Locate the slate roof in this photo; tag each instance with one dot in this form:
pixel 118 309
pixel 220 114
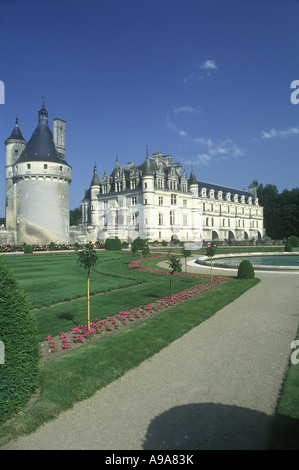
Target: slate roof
pixel 16 133
pixel 41 147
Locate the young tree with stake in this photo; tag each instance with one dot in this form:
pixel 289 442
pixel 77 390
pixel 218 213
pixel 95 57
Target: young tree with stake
pixel 87 259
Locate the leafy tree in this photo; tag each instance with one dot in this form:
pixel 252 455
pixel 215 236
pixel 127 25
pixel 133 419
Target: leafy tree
pixel 87 258
pixel 211 250
pixel 186 254
pixel 142 245
pixel 175 266
pixel 281 211
pixel 76 216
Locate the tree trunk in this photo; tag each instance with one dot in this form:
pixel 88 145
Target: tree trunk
pixel 88 308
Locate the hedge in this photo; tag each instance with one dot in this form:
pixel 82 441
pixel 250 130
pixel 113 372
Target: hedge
pixel 19 340
pixel 113 244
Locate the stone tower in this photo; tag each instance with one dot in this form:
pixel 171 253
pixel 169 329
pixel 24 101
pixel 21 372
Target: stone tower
pixel 37 182
pixel 15 144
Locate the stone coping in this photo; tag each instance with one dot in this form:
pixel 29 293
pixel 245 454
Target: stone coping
pixel 205 261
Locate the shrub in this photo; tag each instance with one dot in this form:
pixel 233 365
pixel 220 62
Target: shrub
pixel 288 246
pixel 245 270
pixel 293 241
pixel 140 244
pixel 28 249
pixel 164 243
pixel 113 244
pixel 19 336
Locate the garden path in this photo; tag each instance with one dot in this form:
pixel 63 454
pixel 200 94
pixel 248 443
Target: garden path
pixel 214 388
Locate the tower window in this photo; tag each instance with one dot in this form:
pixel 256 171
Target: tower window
pixel 45 166
pixel 16 152
pixel 28 166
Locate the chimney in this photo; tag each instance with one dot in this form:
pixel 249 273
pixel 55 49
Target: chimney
pixel 59 136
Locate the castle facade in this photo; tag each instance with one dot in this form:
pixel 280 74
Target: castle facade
pixel 156 200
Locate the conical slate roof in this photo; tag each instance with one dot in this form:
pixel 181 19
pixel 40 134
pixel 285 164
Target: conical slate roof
pixel 95 179
pixel 41 145
pixel 16 133
pixel 147 167
pixel 192 179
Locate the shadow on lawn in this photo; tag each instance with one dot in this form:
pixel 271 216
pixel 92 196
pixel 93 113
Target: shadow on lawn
pixel 68 316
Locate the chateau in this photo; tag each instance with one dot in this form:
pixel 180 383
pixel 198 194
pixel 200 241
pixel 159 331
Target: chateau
pixel 155 200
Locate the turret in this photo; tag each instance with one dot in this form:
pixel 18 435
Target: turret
pixel 94 192
pixel 15 144
pixel 193 185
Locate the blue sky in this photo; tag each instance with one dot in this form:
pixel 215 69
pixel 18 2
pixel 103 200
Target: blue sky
pixel 207 81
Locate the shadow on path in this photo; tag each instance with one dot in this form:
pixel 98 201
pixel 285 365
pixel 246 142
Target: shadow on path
pixel 209 426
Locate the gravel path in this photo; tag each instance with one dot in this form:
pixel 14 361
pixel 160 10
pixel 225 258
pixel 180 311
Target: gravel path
pixel 214 388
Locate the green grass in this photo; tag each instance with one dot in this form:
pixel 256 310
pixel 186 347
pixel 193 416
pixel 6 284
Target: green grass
pixel 50 277
pixel 285 433
pixel 79 374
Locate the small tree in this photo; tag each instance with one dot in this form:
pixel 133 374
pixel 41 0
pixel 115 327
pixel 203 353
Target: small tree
pixel 145 249
pixel 186 254
pixel 175 266
pixel 87 258
pixel 140 244
pixel 211 250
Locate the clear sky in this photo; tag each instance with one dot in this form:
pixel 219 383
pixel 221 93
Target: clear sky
pixel 207 81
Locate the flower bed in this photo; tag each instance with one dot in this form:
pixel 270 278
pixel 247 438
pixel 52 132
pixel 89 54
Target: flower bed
pixel 136 264
pixel 124 319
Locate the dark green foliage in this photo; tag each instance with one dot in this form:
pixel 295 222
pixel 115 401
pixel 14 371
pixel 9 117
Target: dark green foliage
pixel 113 244
pixel 175 265
pixel 294 241
pixel 211 250
pixel 245 270
pixel 288 246
pixel 87 257
pixel 76 216
pixel 281 211
pixel 28 249
pixel 18 333
pixel 140 244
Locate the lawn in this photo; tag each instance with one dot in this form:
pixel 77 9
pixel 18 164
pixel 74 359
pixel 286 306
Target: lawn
pixel 56 282
pixel 57 279
pixel 81 372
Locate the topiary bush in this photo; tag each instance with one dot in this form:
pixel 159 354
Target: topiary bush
pixel 113 244
pixel 293 241
pixel 245 270
pixel 28 249
pixel 20 346
pixel 288 246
